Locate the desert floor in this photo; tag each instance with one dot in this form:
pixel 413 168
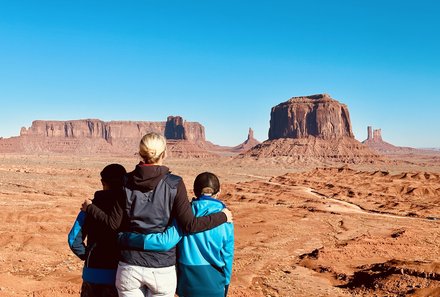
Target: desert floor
pixel 300 231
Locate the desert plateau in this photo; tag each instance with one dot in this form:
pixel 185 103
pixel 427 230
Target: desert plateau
pixel 316 212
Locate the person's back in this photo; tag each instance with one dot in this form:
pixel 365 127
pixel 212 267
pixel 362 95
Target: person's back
pixel 101 253
pixel 150 193
pixel 205 258
pixel 102 249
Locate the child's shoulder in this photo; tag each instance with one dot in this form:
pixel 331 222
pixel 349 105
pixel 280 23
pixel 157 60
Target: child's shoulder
pixel 106 195
pixel 208 201
pixel 101 193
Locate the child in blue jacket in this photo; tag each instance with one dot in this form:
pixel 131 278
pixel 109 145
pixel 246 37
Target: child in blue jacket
pixel 205 258
pixel 101 254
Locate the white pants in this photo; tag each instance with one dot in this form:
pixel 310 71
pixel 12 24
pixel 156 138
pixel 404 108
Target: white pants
pixel 138 281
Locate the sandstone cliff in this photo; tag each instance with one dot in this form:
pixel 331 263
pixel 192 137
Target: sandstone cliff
pixel 316 115
pixel 96 136
pixel 91 128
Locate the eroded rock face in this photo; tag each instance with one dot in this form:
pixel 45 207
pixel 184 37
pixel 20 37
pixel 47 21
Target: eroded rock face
pixel 174 128
pixel 96 136
pixel 317 115
pixel 92 129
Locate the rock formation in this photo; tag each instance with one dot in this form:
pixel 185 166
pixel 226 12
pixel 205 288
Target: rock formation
pixel 377 144
pixel 316 115
pixel 174 128
pixel 96 136
pixel 249 143
pixel 312 129
pixel 369 133
pixel 377 135
pixel 177 128
pixel 92 129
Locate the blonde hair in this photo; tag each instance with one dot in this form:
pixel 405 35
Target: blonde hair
pixel 152 147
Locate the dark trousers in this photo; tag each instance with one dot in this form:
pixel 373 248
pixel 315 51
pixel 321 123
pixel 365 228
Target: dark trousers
pixel 97 290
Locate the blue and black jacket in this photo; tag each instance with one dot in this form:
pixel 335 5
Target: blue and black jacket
pixel 204 258
pixel 101 254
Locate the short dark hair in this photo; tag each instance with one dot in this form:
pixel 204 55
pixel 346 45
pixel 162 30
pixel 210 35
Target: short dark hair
pixel 206 182
pixel 114 175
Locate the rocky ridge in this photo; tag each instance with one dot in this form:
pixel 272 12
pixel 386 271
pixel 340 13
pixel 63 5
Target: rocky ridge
pixel 90 136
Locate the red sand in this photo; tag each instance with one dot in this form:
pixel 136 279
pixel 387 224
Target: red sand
pixel 325 232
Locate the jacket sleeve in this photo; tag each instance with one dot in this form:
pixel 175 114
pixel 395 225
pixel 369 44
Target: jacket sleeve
pixel 184 215
pixel 112 220
pixel 228 252
pixel 77 235
pixel 157 242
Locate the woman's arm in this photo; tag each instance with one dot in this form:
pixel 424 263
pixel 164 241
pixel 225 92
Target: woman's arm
pixel 184 215
pixel 158 242
pixel 112 220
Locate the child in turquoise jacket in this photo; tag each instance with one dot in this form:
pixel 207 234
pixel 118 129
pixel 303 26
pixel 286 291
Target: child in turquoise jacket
pixel 205 258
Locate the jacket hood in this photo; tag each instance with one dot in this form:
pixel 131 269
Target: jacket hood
pixel 145 177
pixel 206 205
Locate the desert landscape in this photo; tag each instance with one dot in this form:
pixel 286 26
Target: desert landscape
pixel 316 212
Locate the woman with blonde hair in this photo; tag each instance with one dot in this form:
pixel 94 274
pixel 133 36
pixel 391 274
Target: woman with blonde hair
pixel 154 199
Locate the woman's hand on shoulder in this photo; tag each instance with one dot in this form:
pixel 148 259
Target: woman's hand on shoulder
pixel 228 214
pixel 85 204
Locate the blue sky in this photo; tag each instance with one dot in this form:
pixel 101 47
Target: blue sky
pixel 222 63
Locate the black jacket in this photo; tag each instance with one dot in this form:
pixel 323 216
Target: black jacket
pixel 102 249
pixel 101 253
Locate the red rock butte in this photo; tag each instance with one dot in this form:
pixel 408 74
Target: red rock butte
pixel 315 115
pixel 312 129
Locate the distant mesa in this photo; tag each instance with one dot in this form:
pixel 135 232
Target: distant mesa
pixel 174 128
pixel 87 136
pixel 312 129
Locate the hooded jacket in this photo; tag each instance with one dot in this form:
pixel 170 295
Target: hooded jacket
pixel 205 258
pixel 101 253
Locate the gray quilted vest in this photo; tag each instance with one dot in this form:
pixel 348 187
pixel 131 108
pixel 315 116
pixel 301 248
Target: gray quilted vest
pixel 150 212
